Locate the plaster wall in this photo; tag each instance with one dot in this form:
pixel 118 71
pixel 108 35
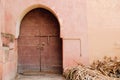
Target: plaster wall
pixel 1 25
pixel 99 39
pixel 73 29
pixel 103 28
pixel 71 15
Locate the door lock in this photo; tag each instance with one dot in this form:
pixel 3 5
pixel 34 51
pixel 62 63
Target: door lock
pixel 38 47
pixel 41 47
pixel 43 44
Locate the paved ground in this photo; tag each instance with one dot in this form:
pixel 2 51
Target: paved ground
pixel 41 77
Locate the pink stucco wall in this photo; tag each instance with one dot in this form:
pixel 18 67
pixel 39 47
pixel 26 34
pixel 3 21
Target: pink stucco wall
pixel 1 25
pixel 73 28
pixel 89 28
pixel 103 28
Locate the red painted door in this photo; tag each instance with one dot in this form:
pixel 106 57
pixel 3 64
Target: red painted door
pixel 50 54
pixel 39 44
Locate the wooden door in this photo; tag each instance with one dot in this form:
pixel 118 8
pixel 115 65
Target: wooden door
pixel 50 59
pixel 39 44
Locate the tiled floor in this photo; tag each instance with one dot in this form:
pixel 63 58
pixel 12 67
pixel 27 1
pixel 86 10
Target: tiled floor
pixel 41 77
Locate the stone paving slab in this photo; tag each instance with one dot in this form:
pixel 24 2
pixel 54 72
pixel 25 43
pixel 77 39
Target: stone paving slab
pixel 41 77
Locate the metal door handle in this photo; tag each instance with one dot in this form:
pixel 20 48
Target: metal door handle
pixel 43 44
pixel 38 47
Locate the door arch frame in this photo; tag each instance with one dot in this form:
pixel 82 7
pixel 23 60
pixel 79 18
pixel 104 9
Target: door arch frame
pixel 28 9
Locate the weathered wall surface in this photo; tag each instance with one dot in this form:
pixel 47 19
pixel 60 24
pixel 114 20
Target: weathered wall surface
pixel 103 28
pixel 72 18
pixel 71 15
pixel 102 34
pixel 1 24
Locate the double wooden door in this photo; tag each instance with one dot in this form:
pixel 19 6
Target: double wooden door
pixel 39 44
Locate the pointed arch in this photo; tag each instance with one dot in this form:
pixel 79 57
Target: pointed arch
pixel 28 10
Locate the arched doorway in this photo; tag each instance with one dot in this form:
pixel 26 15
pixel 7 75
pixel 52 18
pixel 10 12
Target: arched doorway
pixel 39 43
